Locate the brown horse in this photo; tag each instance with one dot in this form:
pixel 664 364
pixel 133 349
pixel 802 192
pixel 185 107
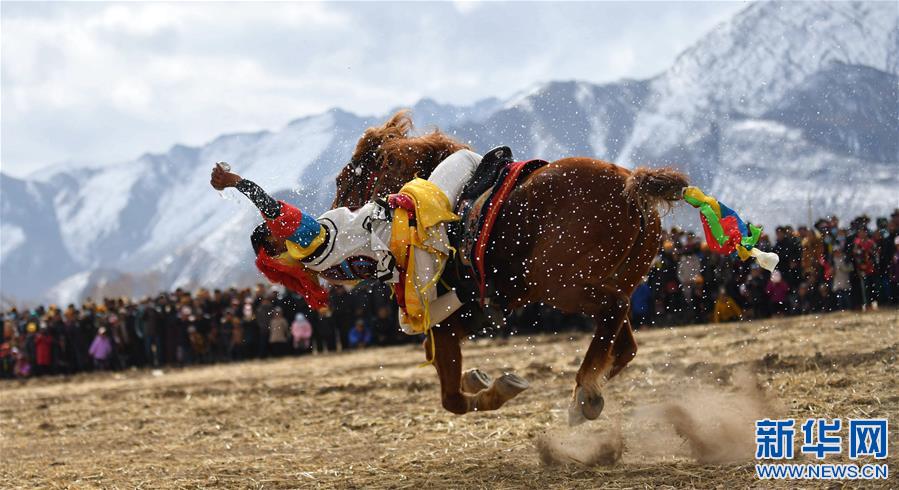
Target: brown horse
pixel 577 234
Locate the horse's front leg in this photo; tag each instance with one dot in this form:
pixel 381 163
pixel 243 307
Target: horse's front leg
pixel 475 392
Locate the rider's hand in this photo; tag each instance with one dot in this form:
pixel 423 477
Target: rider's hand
pixel 222 178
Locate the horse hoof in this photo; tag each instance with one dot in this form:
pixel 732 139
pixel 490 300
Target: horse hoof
pixel 509 385
pixel 585 407
pixel 475 380
pixel 575 416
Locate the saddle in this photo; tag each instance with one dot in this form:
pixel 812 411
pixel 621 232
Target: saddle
pixel 479 206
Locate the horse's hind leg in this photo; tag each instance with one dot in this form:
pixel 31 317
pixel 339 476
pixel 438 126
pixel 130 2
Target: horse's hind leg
pixel 447 358
pixel 610 350
pixel 625 346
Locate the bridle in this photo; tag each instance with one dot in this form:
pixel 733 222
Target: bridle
pixel 373 178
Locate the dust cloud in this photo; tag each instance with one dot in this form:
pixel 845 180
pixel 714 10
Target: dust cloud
pixel 709 424
pixel 580 446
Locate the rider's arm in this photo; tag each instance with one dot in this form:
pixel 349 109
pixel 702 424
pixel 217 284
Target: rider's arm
pixel 285 221
pixel 222 178
pixel 269 207
pixel 303 235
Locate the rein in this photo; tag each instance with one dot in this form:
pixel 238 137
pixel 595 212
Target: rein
pixel 372 182
pixel 373 179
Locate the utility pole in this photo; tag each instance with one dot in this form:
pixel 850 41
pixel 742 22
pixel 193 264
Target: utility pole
pixel 808 200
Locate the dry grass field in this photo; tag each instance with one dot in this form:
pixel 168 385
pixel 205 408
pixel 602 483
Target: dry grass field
pixel 373 418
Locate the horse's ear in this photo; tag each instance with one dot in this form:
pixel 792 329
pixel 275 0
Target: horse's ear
pixel 399 124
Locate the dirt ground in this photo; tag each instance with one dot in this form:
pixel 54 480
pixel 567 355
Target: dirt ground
pixel 373 418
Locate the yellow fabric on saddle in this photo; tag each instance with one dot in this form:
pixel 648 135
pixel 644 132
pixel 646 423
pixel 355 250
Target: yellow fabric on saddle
pixel 432 209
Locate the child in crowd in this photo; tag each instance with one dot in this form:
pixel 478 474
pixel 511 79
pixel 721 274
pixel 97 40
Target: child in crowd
pixel 726 308
pixel 360 335
pixel 100 350
pixel 301 331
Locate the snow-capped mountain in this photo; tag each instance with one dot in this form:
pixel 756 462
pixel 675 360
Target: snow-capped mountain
pixel 785 109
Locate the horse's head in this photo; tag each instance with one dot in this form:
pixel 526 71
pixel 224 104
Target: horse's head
pixel 386 157
pixel 365 174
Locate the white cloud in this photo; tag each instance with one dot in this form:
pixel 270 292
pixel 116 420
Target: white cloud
pixel 135 19
pixel 106 82
pixel 466 7
pixel 622 59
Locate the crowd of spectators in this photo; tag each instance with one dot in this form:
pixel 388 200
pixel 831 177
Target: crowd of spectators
pixel 181 328
pixel 822 268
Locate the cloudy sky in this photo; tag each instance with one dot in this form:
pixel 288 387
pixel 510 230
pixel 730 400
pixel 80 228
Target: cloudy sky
pixel 98 83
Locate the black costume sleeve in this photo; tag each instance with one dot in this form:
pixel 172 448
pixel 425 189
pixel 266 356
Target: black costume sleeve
pixel 270 208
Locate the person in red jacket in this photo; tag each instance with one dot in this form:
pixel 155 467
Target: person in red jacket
pixel 865 251
pixel 43 351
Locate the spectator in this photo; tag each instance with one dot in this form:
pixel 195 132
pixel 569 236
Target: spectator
pixel 807 300
pixel 324 331
pixel 23 363
pixel 342 310
pixel 74 340
pixel 236 346
pixel 7 350
pixel 43 347
pixel 893 272
pixel 264 313
pixel 688 269
pixel 641 304
pixel 756 295
pixel 199 347
pixel 250 328
pixel 301 331
pixel 359 335
pixel 777 292
pixel 842 280
pixel 278 333
pixel 100 350
pixel 726 309
pixel 384 326
pixel 825 299
pixel 812 251
pixel 865 255
pixel 674 296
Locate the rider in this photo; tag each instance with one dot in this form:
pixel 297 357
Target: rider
pixel 346 244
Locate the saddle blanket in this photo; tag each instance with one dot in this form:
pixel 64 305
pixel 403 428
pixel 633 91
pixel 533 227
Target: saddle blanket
pixel 479 217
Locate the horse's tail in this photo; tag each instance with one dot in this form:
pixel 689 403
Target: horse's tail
pixel 653 187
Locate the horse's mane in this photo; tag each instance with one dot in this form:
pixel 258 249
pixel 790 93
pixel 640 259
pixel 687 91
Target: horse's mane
pixel 404 153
